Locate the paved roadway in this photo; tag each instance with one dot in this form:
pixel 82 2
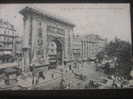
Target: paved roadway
pixel 88 69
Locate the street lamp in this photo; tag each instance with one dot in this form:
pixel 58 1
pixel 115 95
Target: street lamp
pixel 82 53
pixel 87 48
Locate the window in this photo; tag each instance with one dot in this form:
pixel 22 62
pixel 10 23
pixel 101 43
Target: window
pixel 12 33
pixel 40 33
pixel 10 45
pixel 8 32
pixel 2 38
pixel 40 42
pixel 4 31
pixel 8 39
pixel 52 50
pixel 1 45
pixel 52 45
pixel 1 30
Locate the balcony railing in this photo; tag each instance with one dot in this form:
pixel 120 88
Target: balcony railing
pixel 7 35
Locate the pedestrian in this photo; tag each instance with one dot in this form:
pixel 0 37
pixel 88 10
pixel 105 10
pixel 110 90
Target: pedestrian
pixel 114 85
pixel 35 74
pixel 41 75
pixel 91 84
pixel 70 67
pixel 38 75
pixel 52 75
pixel 69 85
pixel 6 79
pixel 19 60
pixel 32 69
pixel 62 84
pixel 36 78
pixel 65 62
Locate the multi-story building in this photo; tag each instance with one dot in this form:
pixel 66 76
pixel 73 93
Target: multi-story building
pixel 8 42
pixel 18 44
pixel 92 44
pixel 87 46
pixel 76 47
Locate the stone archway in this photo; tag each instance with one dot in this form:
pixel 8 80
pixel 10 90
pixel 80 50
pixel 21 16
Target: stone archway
pixel 58 49
pixel 51 27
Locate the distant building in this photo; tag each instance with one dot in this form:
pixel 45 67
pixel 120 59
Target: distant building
pixel 76 47
pixel 92 44
pixel 87 46
pixel 18 45
pixel 8 41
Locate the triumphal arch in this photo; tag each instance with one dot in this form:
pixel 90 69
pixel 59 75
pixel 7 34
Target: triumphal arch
pixel 40 29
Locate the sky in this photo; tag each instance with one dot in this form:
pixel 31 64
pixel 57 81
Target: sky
pixel 106 20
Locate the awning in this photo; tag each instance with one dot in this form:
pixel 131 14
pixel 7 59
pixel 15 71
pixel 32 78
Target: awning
pixel 7 53
pixel 10 70
pixel 8 65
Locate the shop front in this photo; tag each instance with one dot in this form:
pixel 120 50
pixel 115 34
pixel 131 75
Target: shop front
pixel 6 57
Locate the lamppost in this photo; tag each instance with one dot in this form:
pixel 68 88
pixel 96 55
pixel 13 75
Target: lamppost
pixel 87 48
pixel 82 53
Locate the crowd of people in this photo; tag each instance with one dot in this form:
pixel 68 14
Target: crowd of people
pixel 115 81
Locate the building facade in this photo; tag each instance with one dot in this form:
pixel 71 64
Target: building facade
pixel 92 44
pixel 40 29
pixel 76 47
pixel 7 42
pixel 87 46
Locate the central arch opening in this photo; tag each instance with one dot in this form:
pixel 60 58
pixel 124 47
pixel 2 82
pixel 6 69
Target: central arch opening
pixel 55 52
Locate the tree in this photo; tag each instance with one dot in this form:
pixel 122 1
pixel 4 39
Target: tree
pixel 122 51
